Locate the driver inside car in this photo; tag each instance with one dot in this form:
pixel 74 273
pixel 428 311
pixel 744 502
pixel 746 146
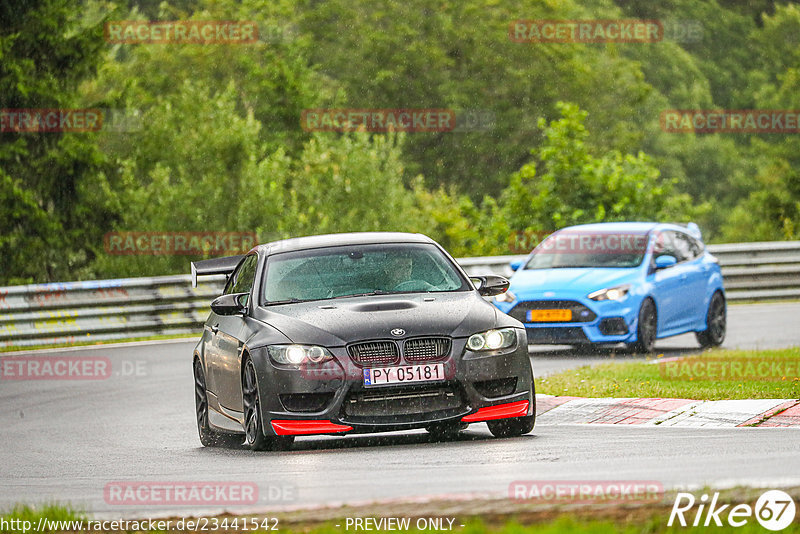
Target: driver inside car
pixel 397 271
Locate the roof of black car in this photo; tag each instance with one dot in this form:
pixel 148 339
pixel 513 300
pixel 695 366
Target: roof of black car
pixel 333 240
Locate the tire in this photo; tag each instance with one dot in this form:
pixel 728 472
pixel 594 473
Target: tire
pixel 716 323
pixel 646 328
pixel 444 431
pixel 255 438
pixel 208 436
pixel 514 426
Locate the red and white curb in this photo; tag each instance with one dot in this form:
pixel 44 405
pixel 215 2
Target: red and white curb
pixel 551 410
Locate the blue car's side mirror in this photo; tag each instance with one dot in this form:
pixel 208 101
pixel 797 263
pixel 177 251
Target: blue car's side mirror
pixel 516 264
pixel 662 262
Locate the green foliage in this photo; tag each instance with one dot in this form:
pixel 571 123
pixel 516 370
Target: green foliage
pixel 217 143
pixel 458 55
pixel 45 52
pixel 576 187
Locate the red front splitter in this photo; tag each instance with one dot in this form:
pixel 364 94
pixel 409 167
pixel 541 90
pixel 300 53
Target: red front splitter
pixel 501 411
pixel 294 428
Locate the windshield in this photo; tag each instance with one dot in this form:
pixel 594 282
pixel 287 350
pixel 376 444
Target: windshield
pixel 576 249
pixel 358 270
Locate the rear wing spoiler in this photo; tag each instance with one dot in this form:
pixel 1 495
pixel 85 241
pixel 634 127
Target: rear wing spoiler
pixel 224 265
pixel 692 229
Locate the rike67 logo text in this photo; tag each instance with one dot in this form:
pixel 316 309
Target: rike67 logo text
pixel 774 510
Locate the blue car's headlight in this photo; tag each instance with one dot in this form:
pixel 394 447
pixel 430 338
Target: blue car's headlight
pixel 501 338
pixel 508 296
pixel 298 354
pixel 611 293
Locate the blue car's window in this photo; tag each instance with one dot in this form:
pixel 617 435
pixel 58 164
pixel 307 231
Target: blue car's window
pixel 577 249
pixel 686 247
pixel 355 270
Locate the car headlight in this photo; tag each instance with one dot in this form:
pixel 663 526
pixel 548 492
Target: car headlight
pixel 298 354
pixel 502 338
pixel 508 296
pixel 611 293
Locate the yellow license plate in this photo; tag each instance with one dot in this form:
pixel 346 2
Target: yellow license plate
pixel 549 316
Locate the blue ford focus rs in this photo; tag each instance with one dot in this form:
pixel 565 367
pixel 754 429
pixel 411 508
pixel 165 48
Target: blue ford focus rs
pixel 611 283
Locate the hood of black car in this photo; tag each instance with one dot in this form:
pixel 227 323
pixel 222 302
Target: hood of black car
pixel 341 321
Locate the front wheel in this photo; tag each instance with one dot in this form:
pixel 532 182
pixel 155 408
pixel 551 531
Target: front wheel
pixel 646 329
pixel 254 430
pixel 716 320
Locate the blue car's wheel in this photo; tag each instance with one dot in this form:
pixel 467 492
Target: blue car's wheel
pixel 716 322
pixel 647 328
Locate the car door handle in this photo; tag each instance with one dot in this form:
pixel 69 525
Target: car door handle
pixel 215 329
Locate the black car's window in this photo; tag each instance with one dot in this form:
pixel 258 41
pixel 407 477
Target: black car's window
pixel 580 249
pixel 242 279
pixel 353 270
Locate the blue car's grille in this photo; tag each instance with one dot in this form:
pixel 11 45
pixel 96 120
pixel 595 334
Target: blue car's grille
pixel 550 335
pixel 580 313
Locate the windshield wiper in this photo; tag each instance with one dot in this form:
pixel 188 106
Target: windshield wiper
pixel 287 301
pixel 295 300
pixel 369 294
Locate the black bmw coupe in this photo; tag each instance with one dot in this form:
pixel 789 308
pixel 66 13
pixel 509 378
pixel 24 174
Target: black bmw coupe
pixel 361 332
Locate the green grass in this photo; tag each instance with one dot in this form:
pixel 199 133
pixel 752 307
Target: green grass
pixel 90 342
pixel 32 515
pixel 649 380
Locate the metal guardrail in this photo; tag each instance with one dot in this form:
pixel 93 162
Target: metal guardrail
pixel 71 312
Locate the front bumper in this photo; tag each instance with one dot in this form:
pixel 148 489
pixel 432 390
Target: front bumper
pixel 597 321
pixel 331 398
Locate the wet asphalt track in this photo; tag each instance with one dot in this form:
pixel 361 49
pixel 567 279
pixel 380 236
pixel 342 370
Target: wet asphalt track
pixel 64 441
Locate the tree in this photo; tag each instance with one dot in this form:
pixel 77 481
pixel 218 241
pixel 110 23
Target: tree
pixel 575 187
pixel 45 177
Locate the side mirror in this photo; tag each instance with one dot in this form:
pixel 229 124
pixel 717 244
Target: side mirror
pixel 230 304
pixel 662 262
pixel 516 264
pixel 490 284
